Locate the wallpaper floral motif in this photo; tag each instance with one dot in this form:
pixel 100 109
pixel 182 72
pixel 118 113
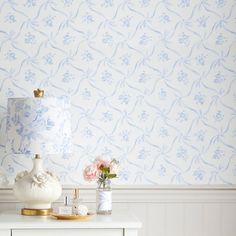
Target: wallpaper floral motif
pixel 152 83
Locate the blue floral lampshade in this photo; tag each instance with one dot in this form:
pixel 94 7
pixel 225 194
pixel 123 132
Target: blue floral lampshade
pixel 38 125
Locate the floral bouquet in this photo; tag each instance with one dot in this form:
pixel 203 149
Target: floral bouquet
pixel 101 170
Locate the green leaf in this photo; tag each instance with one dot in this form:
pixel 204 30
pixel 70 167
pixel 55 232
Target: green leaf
pixel 110 176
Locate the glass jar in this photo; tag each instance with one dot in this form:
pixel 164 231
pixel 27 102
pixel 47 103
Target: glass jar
pixel 104 197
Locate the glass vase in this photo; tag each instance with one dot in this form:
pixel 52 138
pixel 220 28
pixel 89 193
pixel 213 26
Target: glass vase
pixel 104 198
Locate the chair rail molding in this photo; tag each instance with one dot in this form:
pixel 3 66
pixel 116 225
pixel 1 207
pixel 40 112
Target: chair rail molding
pixel 148 194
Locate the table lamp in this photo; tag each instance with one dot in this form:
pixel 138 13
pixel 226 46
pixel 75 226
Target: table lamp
pixel 39 126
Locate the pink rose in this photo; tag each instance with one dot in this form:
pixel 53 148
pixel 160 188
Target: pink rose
pixel 91 173
pixel 101 162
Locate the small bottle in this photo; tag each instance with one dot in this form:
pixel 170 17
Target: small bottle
pixel 76 201
pixel 66 209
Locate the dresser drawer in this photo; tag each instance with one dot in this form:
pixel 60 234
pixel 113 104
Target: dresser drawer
pixel 5 232
pixel 67 232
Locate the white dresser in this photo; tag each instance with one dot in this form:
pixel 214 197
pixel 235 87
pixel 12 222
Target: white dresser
pixel 117 224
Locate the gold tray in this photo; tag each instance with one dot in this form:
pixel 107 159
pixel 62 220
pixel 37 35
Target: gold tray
pixel 71 217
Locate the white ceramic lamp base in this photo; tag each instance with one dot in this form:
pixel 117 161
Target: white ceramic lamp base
pixel 37 189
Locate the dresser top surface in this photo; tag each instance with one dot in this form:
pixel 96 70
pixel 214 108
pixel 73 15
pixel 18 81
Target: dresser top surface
pixel 116 220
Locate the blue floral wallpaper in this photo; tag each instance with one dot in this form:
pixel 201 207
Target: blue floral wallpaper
pixel 152 83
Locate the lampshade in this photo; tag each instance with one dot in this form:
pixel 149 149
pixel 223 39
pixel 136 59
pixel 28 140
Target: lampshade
pixel 38 125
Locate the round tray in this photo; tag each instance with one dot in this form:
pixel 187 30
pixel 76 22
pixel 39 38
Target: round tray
pixel 70 217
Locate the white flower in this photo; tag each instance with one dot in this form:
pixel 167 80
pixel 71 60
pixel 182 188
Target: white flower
pixel 53 175
pixel 21 175
pixel 40 180
pixel 114 167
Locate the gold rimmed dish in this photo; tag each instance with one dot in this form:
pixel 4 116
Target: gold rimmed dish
pixel 71 217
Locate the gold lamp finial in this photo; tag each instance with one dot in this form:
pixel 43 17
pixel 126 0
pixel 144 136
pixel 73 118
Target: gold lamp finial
pixel 38 93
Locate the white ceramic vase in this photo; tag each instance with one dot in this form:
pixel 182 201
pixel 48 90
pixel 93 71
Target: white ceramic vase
pixel 104 198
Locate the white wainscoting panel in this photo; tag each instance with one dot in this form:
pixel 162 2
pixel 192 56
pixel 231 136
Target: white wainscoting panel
pixel 164 211
pixel 193 216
